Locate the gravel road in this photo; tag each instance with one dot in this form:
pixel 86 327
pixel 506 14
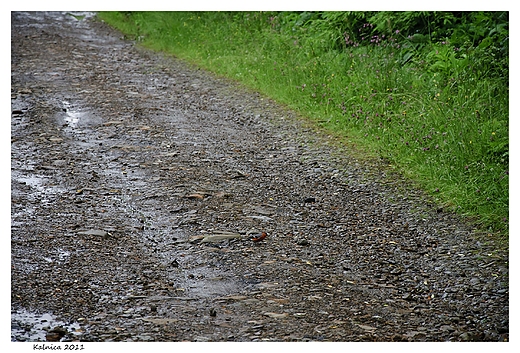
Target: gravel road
pixel 138 182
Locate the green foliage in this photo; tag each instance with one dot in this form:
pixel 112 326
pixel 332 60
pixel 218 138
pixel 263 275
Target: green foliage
pixel 427 91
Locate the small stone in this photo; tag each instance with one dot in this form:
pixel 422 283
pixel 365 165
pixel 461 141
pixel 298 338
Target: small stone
pixel 474 281
pixel 219 237
pixel 261 218
pixel 194 196
pixel 465 336
pixel 95 232
pixel 196 238
pixel 232 297
pixel 276 315
pixel 52 337
pixel 366 327
pixel 160 321
pixel 56 334
pixel 144 337
pixel 447 328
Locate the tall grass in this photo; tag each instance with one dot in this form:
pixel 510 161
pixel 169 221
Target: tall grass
pixel 430 111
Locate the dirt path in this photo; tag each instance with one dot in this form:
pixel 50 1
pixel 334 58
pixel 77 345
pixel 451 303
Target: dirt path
pixel 137 181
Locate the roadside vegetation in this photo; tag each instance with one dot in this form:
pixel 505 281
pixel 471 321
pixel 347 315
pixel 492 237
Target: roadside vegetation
pixel 426 91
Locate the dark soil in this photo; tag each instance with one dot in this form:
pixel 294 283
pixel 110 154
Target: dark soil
pixel 137 181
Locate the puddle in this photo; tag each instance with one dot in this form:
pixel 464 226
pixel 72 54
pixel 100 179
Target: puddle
pixel 32 181
pixel 32 327
pixel 38 183
pixel 72 116
pixel 62 256
pixel 76 117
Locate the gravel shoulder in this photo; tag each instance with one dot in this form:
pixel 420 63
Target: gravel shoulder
pixel 137 182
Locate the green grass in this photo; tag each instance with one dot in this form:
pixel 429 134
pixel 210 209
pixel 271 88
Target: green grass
pixel 436 120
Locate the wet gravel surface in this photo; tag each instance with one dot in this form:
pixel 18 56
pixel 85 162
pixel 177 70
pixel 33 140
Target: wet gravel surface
pixel 137 183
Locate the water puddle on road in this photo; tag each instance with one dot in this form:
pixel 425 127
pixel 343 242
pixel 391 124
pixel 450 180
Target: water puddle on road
pixel 76 116
pixel 39 183
pixel 33 181
pixel 32 327
pixel 72 116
